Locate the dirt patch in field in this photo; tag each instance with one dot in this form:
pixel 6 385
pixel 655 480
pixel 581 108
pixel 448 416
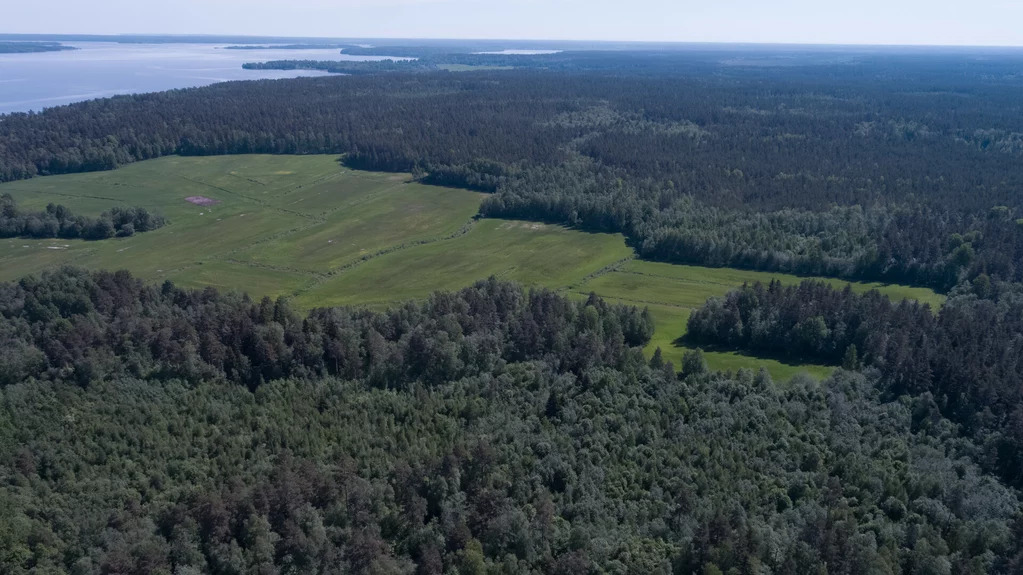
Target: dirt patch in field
pixel 521 225
pixel 202 201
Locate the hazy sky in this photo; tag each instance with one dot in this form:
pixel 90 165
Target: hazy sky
pixel 971 22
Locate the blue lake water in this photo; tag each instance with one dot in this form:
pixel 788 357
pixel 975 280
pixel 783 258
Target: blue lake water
pixel 101 69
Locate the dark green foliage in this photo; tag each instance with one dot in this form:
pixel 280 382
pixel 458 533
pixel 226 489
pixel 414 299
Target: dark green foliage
pixel 693 363
pixel 966 356
pixel 93 326
pixel 851 359
pixel 492 430
pixel 58 222
pixel 637 473
pixel 895 242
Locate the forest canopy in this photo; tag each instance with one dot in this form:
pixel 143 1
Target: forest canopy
pixel 492 430
pixel 966 356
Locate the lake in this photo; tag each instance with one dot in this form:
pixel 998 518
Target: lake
pixel 101 69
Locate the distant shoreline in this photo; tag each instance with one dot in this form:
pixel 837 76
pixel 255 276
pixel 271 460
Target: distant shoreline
pixel 287 47
pixel 33 47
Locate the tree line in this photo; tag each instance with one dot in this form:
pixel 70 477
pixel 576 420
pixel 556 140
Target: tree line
pixel 57 221
pixel 74 326
pixel 964 358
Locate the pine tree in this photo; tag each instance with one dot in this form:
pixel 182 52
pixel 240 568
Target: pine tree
pixel 851 360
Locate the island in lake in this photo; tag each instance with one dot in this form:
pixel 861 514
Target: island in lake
pixel 32 47
pixel 287 47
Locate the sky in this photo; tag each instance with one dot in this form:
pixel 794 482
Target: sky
pixel 904 22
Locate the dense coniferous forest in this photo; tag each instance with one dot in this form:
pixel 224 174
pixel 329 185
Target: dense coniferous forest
pixel 59 222
pixel 494 430
pixel 965 357
pixel 864 166
pixel 71 326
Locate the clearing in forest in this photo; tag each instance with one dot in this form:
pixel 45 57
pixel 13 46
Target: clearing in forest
pixel 306 227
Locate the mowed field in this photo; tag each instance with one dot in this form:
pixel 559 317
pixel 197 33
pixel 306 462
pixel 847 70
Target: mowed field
pixel 672 291
pixel 281 222
pixel 304 226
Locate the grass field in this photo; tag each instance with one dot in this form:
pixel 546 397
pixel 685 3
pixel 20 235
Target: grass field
pixel 673 291
pixel 282 222
pixel 304 226
pixel 527 252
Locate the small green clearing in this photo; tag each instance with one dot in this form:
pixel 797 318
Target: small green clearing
pixel 672 291
pixel 710 280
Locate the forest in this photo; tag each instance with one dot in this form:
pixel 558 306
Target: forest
pixel 493 430
pixel 500 429
pixel 966 357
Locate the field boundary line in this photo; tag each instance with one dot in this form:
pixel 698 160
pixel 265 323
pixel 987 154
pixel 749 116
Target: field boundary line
pixel 610 268
pixel 323 278
pixel 681 280
pixel 636 302
pixel 43 192
pixel 271 267
pixel 257 201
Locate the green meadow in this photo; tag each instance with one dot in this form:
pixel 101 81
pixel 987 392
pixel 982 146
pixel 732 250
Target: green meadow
pixel 281 222
pixel 526 252
pixel 672 291
pixel 306 227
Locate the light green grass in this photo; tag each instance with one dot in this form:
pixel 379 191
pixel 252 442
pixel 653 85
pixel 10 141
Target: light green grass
pixel 527 252
pixel 306 227
pixel 228 276
pixel 287 219
pixel 672 291
pixel 712 280
pixel 402 214
pixel 670 323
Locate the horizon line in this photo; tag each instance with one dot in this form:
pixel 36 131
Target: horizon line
pixel 531 40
